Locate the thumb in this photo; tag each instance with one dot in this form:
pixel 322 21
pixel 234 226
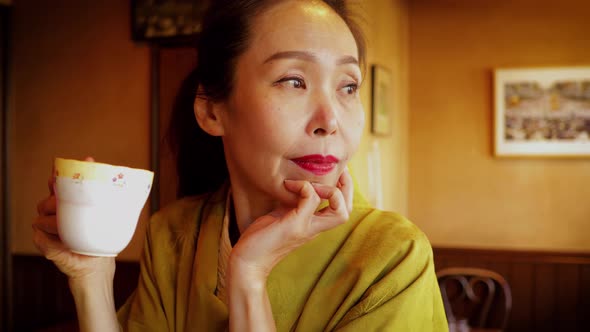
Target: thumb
pixel 89 159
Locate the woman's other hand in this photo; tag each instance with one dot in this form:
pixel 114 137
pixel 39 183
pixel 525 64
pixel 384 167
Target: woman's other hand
pixel 78 268
pixel 272 237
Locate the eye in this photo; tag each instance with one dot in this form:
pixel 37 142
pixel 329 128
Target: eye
pixel 294 82
pixel 351 89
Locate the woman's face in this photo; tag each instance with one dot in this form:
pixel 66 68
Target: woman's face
pixel 295 111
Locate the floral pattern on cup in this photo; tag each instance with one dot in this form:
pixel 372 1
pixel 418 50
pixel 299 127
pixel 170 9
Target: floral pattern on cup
pixel 119 180
pixel 78 178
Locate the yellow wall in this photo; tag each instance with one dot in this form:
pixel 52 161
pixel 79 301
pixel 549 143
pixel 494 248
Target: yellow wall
pixel 459 193
pixel 386 29
pixel 79 87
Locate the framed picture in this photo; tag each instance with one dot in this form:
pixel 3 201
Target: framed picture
pixel 175 22
pixel 381 100
pixel 542 112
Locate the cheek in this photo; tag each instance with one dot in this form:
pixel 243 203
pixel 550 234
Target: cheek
pixel 268 125
pixel 281 131
pixel 360 121
pixel 355 126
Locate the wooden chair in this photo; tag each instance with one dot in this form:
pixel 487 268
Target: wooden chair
pixel 479 296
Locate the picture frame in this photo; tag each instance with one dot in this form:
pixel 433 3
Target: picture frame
pixel 167 22
pixel 542 112
pixel 381 100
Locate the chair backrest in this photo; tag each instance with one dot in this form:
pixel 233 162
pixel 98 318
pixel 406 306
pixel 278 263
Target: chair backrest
pixel 480 296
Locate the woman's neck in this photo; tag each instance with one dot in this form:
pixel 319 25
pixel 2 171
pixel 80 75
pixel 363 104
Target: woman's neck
pixel 249 205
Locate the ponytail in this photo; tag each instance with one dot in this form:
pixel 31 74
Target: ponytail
pixel 200 162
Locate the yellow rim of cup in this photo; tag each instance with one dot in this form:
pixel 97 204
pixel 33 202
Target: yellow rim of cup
pixel 89 170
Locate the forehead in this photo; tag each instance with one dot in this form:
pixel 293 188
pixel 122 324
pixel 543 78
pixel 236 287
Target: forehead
pixel 301 25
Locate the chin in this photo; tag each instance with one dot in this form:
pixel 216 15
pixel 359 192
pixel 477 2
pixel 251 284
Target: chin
pixel 329 179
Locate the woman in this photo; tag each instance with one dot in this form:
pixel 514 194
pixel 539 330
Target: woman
pixel 269 234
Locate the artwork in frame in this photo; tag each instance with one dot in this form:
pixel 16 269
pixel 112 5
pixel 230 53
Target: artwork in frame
pixel 167 21
pixel 381 100
pixel 542 112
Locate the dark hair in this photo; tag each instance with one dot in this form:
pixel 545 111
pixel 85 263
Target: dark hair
pixel 224 36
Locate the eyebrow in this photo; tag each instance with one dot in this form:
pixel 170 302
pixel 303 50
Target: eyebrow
pixel 308 56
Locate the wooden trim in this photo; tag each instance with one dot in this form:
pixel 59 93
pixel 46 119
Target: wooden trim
pixel 155 127
pixel 5 240
pixel 515 256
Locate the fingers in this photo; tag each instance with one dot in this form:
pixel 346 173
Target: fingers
pixel 51 180
pixel 48 224
pixel 335 213
pixel 311 195
pixel 309 201
pixel 48 244
pixel 47 207
pixel 333 195
pixel 50 183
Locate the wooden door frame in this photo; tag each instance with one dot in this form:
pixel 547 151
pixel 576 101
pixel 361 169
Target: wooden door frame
pixel 5 229
pixel 155 126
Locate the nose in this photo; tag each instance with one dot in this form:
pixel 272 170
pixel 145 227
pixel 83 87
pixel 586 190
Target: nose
pixel 324 121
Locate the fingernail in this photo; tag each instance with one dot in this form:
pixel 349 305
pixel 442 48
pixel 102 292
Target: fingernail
pixel 318 185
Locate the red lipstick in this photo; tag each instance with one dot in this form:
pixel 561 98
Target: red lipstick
pixel 316 163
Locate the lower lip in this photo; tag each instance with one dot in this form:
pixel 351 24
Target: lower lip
pixel 316 168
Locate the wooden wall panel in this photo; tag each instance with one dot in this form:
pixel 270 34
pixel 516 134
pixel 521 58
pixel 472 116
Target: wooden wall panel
pixel 42 298
pixel 584 305
pixel 544 281
pixel 520 278
pixel 550 290
pixel 567 286
pixel 41 295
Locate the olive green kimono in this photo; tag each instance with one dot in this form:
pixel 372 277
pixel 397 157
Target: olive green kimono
pixel 374 273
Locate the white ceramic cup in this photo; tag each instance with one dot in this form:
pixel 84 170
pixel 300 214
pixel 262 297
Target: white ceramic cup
pixel 98 205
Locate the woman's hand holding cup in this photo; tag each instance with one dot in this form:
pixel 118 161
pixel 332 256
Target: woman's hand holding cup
pixel 45 236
